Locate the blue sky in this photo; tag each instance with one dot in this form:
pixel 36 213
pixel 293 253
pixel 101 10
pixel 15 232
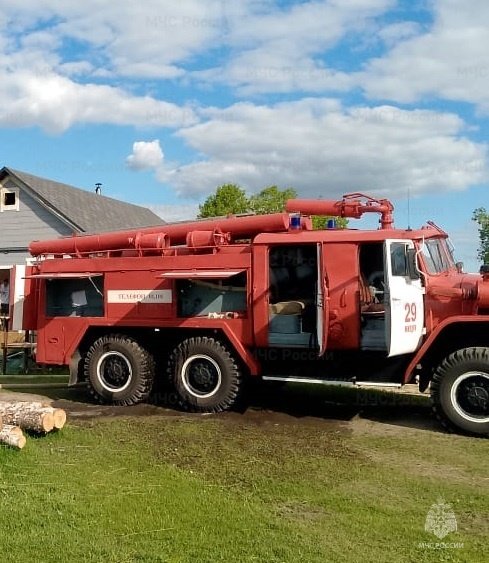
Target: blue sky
pixel 161 102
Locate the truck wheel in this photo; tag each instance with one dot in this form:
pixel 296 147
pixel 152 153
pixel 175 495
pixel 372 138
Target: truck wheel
pixel 119 370
pixel 460 391
pixel 205 375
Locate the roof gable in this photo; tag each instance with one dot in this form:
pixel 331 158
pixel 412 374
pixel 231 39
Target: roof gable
pixel 86 211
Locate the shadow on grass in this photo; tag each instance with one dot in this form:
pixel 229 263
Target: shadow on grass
pixel 344 404
pixel 268 400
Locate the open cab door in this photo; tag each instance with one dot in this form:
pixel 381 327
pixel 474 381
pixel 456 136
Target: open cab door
pixel 404 298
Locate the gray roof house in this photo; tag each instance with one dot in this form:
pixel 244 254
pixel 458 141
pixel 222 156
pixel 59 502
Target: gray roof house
pixel 34 208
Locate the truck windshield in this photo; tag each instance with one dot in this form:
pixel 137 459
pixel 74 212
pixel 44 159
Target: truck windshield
pixel 437 256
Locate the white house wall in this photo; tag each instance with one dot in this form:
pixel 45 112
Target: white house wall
pixel 31 222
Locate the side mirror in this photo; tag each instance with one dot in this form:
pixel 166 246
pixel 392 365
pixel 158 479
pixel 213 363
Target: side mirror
pixel 460 267
pixel 411 264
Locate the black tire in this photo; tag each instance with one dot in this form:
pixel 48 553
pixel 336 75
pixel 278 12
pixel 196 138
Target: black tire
pixel 119 370
pixel 460 391
pixel 205 375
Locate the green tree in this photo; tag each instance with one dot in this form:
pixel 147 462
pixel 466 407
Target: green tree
pixel 271 200
pixel 481 217
pixel 320 221
pixel 232 199
pixel 228 198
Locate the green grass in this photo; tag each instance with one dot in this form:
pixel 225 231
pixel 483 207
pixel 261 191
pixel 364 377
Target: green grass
pixel 240 488
pixel 26 379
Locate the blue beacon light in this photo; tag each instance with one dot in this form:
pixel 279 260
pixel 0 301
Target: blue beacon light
pixel 295 222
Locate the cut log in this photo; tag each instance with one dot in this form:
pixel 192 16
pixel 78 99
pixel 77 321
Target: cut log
pixel 29 416
pixel 12 436
pixel 58 414
pixel 59 418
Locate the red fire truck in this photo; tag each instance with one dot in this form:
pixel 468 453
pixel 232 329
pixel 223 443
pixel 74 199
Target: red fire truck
pixel 206 306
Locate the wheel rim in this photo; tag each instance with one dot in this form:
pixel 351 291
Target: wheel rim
pixel 201 376
pixel 114 371
pixel 470 396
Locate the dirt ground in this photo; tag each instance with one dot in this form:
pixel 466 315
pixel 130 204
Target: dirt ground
pixel 390 413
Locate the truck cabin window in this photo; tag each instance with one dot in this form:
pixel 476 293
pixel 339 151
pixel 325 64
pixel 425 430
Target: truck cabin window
pixel 437 256
pixel 399 259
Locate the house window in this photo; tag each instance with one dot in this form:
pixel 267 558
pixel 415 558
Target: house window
pixel 9 199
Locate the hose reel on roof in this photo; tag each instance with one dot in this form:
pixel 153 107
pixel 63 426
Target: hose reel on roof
pixel 200 239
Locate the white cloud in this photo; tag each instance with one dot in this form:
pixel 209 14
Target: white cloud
pixel 320 148
pixel 450 60
pixel 38 85
pixel 277 49
pixel 111 41
pixel 55 103
pixel 76 68
pixel 261 71
pixel 145 155
pixel 173 213
pixel 126 37
pixel 399 31
pixel 264 45
pixel 315 145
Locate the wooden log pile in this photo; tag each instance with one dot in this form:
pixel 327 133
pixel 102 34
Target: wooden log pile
pixel 12 436
pixel 32 416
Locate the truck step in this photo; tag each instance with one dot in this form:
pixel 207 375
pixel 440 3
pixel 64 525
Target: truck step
pixel 345 383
